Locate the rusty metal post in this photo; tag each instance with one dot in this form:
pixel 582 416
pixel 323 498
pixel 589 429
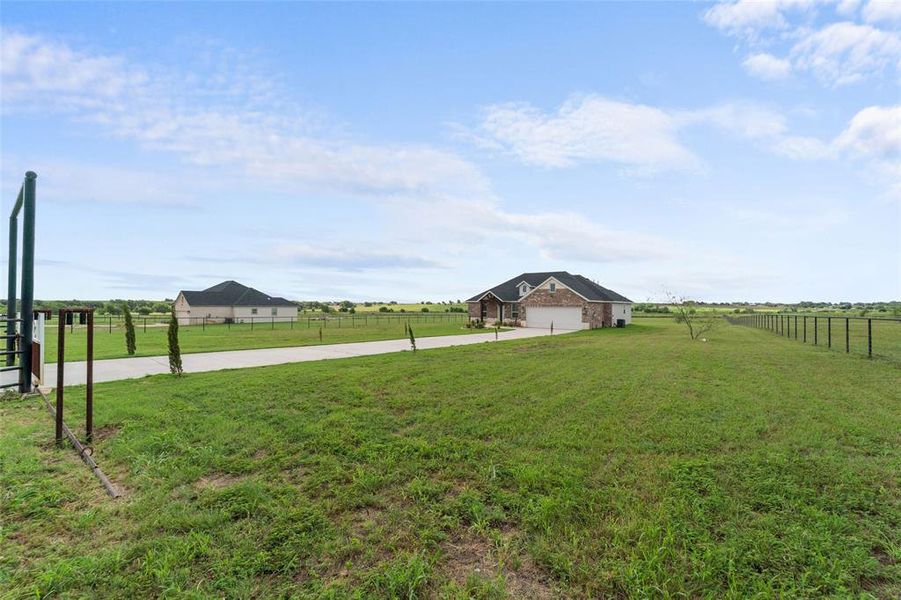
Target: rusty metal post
pixel 60 369
pixel 89 381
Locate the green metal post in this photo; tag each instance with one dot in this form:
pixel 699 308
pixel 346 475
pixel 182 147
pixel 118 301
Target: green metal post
pixel 28 201
pixel 11 281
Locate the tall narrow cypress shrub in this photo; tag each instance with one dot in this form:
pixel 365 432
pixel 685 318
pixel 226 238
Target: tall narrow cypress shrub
pixel 412 339
pixel 174 351
pixel 129 330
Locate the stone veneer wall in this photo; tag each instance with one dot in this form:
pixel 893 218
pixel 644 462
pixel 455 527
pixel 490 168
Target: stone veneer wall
pixel 608 314
pixel 475 310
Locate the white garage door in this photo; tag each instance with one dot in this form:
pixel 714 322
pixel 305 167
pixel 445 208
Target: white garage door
pixel 563 317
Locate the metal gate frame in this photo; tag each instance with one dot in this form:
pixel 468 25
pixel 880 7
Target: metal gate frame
pixel 25 203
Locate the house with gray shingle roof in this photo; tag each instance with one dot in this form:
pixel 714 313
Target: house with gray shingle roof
pixel 231 302
pixel 555 297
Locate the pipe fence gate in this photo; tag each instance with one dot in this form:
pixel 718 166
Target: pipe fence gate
pixel 22 354
pixel 873 336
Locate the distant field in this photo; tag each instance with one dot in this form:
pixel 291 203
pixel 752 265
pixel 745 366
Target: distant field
pixel 414 308
pixel 211 338
pixel 610 463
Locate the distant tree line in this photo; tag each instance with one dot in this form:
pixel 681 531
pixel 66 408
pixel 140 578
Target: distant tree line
pixel 892 308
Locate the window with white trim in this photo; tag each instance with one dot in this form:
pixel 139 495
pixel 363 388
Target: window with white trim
pixel 274 311
pixel 552 287
pixel 253 311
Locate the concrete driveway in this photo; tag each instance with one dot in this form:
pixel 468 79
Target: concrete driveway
pixel 132 368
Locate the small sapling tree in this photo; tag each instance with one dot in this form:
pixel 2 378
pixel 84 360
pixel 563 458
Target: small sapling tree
pixel 175 366
pixel 129 330
pixel 412 338
pixel 697 323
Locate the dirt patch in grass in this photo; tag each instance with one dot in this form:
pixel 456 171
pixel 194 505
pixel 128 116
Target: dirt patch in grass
pixel 465 554
pixel 105 432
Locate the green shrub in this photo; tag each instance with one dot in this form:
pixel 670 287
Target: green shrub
pixel 175 366
pixel 129 330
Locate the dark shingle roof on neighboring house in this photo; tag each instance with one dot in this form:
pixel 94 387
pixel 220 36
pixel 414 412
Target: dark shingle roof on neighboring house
pixel 232 293
pixel 509 290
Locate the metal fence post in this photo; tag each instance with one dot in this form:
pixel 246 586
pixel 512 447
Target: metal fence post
pixel 847 335
pixel 805 329
pixel 60 369
pixel 11 281
pixel 870 338
pixel 89 380
pixel 829 331
pixel 796 326
pixel 816 331
pixel 110 324
pixel 28 208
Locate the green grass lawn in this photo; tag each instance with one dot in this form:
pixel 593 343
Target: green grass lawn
pixel 609 463
pixel 212 338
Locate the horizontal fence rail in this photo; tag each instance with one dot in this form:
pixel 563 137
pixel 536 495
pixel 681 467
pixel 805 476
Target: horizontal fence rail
pixel 873 336
pixel 111 323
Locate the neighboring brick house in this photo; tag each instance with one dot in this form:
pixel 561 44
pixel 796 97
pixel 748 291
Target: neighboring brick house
pixel 539 299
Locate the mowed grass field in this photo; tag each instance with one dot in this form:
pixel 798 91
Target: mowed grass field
pixel 213 338
pixel 610 463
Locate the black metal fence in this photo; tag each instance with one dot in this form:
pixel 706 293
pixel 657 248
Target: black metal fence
pixel 873 336
pixel 144 323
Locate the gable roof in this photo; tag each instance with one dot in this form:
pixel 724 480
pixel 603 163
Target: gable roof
pixel 232 293
pixel 509 290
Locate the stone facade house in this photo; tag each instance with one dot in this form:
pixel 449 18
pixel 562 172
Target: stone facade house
pixel 540 299
pixel 231 302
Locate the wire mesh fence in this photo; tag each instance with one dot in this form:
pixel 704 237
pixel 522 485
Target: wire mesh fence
pixel 872 336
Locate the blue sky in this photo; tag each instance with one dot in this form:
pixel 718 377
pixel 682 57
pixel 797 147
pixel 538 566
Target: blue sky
pixel 731 151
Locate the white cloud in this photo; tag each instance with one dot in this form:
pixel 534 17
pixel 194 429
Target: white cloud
pixel 36 70
pixel 844 53
pixel 747 18
pixel 799 147
pixel 594 129
pixel 587 129
pixel 882 11
pixel 768 67
pixel 744 119
pixel 348 259
pixel 837 53
pixel 847 8
pixel 874 135
pixel 73 181
pixel 874 131
pixel 217 122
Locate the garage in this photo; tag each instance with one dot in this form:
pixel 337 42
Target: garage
pixel 563 317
